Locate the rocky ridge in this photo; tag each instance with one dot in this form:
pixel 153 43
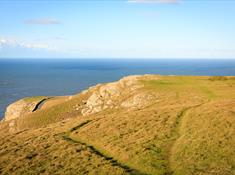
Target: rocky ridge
pixel 120 94
pixel 114 95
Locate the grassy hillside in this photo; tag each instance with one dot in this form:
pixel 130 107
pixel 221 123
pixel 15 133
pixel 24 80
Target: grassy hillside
pixel 182 125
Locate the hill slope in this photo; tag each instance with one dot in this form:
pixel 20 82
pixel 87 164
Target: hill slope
pixel 147 124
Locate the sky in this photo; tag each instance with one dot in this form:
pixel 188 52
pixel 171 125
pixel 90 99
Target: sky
pixel 117 29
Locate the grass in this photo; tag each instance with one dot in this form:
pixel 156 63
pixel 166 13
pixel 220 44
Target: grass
pixel 98 151
pixel 142 145
pixel 208 143
pixel 37 155
pixel 60 111
pixel 187 130
pixel 218 78
pixel 34 99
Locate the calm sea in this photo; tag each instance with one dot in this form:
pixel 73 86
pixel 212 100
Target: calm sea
pixel 33 77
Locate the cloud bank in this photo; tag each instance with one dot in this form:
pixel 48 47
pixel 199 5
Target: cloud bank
pixel 42 21
pixel 16 48
pixel 13 43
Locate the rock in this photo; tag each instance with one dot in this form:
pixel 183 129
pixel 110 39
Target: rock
pixel 12 127
pixel 109 90
pixel 20 108
pixel 111 95
pixel 15 110
pixel 139 101
pixel 94 100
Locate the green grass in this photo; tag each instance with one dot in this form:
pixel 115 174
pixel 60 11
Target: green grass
pixel 187 130
pixel 34 99
pixel 208 142
pixel 46 116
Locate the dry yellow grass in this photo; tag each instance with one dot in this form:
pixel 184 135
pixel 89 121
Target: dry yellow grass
pixel 207 140
pixel 188 129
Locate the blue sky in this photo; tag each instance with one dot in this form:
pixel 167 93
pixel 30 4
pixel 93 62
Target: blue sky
pixel 117 29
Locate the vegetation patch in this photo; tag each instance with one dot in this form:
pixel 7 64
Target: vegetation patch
pixel 189 129
pixel 218 78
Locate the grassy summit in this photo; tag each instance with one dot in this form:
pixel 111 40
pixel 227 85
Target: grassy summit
pixel 182 125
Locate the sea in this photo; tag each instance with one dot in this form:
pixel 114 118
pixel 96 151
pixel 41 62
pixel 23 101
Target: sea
pixel 57 77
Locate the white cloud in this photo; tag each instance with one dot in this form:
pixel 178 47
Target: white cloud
pixel 2 41
pixel 42 21
pixel 6 42
pixel 14 48
pixel 155 1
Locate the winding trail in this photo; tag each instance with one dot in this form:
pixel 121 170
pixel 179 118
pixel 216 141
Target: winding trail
pixel 66 136
pixel 175 136
pixel 176 131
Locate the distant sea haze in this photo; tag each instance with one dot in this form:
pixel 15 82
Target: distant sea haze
pixel 34 77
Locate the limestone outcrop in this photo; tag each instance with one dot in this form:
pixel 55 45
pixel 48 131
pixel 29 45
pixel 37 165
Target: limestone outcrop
pixel 113 95
pixel 140 101
pixel 15 110
pixel 20 108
